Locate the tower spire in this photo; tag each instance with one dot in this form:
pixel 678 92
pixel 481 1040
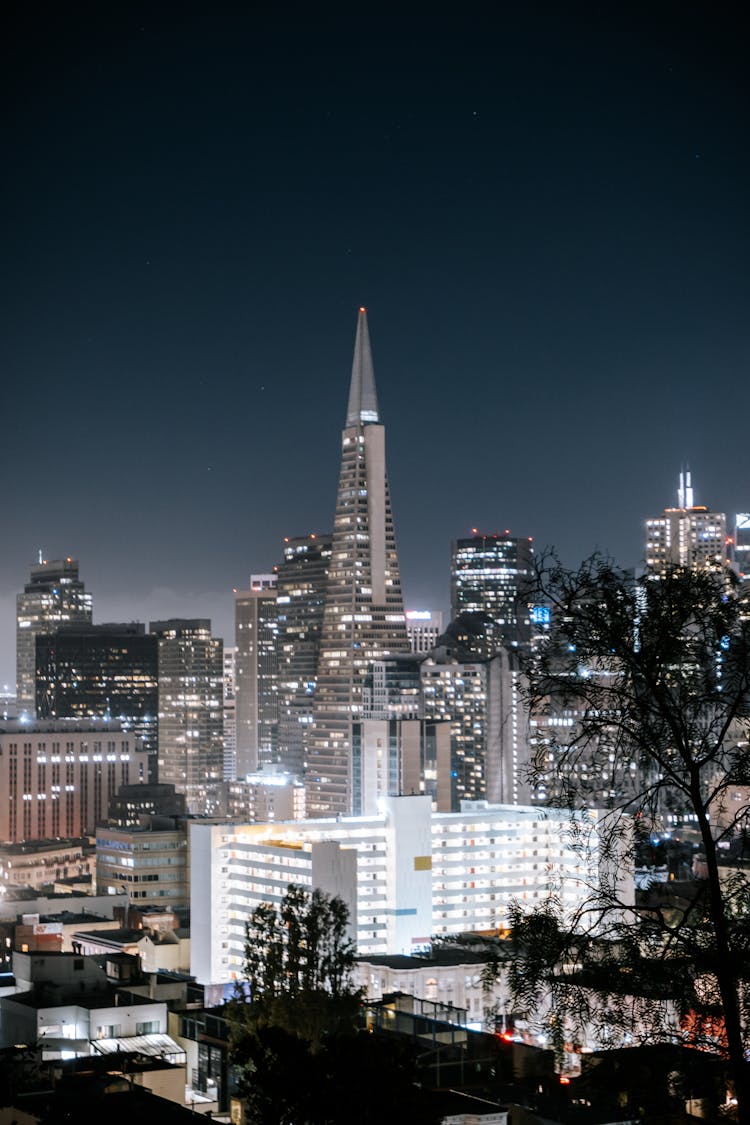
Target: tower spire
pixel 363 398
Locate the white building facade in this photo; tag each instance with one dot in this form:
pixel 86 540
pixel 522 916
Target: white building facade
pixel 406 875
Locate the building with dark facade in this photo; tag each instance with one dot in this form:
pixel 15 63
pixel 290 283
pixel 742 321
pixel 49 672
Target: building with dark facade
pixel 101 672
pixel 490 579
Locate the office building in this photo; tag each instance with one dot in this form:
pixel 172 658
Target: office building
pixel 101 672
pixel 406 873
pixel 689 535
pixel 423 628
pixel 300 594
pixel 363 616
pixel 256 702
pixel 148 861
pixel 230 714
pixel 490 580
pixel 58 777
pixel 54 596
pixel 482 703
pixel 269 794
pixel 191 710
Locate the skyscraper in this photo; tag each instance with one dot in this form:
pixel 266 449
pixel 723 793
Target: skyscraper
pixel 191 710
pixel 689 535
pixel 101 672
pixel 54 596
pixel 255 674
pixel 300 595
pixel 363 616
pixel 490 575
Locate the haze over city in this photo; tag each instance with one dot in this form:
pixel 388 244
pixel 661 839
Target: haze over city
pixel 543 210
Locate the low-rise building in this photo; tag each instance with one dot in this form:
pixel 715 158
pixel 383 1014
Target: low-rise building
pixel 39 863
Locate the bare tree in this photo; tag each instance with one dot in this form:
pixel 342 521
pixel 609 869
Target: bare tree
pixel 640 700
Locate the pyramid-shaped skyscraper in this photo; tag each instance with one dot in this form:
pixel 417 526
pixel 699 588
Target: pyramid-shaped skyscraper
pixel 363 617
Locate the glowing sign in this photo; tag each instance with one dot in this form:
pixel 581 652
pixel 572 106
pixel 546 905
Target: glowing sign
pixel 540 615
pixel 418 615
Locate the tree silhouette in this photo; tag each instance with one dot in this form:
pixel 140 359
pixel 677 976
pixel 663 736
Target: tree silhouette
pixel 640 699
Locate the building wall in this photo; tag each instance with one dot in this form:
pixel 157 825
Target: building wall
pixel 151 865
pixel 60 777
pixel 191 710
pixel 418 874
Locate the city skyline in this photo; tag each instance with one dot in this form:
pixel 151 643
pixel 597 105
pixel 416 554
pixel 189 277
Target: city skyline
pixel 544 214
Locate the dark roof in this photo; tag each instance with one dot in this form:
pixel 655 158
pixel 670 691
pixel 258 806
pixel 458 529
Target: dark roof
pixel 440 955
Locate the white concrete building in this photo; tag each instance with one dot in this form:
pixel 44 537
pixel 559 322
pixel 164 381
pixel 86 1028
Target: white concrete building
pixel 79 1005
pixel 406 874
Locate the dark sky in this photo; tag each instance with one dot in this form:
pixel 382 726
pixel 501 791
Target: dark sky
pixel 544 207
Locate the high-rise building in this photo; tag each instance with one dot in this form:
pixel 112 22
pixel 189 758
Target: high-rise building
pixel 101 672
pixel 363 616
pixel 300 594
pixel 230 714
pixel 54 596
pixel 482 702
pixel 490 579
pixel 256 674
pixel 191 710
pixel 689 535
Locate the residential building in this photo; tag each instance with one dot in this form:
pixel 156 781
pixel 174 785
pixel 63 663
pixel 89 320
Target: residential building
pixel 58 776
pixel 256 674
pixel 77 1007
pixel 54 596
pixel 191 710
pixel 363 615
pixel 406 874
pixel 101 672
pixel 300 594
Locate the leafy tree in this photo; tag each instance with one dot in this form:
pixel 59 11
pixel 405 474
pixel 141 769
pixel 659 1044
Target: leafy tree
pixel 640 697
pixel 300 1055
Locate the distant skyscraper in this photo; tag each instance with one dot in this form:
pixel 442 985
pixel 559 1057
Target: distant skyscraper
pixel 689 535
pixel 363 617
pixel 256 674
pixel 490 576
pixel 230 715
pixel 300 594
pixel 101 672
pixel 191 710
pixel 53 597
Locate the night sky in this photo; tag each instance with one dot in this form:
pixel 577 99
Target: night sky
pixel 544 207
